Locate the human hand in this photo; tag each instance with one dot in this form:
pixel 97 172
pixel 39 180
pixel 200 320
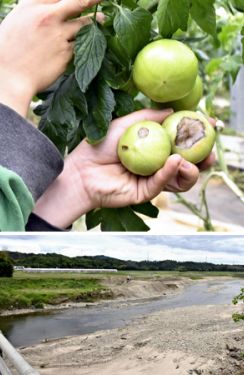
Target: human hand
pixel 93 177
pixel 36 44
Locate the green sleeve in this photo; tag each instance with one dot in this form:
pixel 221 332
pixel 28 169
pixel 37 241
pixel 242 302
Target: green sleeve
pixel 16 201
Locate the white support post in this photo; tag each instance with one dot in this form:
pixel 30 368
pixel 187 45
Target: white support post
pixel 4 370
pixel 15 358
pixel 237 103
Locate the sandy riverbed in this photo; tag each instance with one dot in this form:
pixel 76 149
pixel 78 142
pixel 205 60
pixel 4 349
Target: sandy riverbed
pixel 192 340
pixel 196 340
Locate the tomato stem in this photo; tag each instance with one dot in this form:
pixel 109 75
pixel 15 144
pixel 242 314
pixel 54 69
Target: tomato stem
pixel 95 14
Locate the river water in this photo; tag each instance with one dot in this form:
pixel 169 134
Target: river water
pixel 25 330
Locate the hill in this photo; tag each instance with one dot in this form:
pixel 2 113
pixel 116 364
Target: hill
pixel 51 260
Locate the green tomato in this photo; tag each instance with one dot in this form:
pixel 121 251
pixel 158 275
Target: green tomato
pixel 191 100
pixel 191 135
pixel 144 147
pixel 165 70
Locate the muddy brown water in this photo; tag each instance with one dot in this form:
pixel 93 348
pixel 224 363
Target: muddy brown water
pixel 30 329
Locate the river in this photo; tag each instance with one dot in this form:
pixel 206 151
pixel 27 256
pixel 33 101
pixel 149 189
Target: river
pixel 29 329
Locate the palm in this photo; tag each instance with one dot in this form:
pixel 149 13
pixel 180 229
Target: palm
pixel 109 184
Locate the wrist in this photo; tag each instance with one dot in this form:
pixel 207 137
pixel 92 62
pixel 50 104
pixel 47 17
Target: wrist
pixel 15 93
pixel 65 200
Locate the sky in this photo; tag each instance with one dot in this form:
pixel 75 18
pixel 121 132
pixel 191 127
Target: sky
pixel 200 248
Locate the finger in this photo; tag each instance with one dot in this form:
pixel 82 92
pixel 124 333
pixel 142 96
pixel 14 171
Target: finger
pixel 38 1
pixel 72 8
pixel 153 185
pixel 208 162
pixel 187 176
pixel 212 121
pixel 73 26
pixel 142 115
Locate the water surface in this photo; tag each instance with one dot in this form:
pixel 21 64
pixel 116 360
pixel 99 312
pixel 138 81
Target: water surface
pixel 31 329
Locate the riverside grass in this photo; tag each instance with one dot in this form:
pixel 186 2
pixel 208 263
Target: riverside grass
pixel 17 293
pixel 28 290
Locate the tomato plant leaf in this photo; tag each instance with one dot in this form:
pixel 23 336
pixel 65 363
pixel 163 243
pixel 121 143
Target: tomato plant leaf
pixel 124 103
pixel 147 209
pixel 116 220
pixel 203 13
pixel 113 73
pixel 101 104
pixel 132 29
pixel 93 218
pixel 122 219
pixel 90 47
pixel 62 111
pixel 172 15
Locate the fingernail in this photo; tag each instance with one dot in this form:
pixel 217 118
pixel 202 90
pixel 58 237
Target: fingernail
pixel 176 158
pixel 186 165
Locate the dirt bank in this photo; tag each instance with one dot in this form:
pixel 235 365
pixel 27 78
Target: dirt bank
pixel 120 288
pixel 126 287
pixel 197 340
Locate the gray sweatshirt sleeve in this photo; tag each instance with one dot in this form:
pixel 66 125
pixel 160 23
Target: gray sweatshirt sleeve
pixel 27 152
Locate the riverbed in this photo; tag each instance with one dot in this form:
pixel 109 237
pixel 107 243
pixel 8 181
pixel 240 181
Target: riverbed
pixel 30 329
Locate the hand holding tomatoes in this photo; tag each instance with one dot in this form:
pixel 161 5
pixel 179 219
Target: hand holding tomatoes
pixel 93 176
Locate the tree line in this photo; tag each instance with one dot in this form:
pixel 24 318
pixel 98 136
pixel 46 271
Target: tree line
pixel 53 260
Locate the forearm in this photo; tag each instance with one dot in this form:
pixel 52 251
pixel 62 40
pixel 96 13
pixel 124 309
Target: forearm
pixel 15 94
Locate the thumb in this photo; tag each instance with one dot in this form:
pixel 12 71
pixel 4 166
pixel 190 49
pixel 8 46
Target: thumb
pixel 160 179
pixel 188 176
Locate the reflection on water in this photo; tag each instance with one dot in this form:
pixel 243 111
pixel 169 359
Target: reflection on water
pixel 32 328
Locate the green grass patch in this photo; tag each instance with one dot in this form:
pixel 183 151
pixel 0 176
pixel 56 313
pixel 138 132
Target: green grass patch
pixel 28 291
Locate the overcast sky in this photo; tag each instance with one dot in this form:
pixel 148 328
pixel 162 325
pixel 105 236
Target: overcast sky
pixel 214 248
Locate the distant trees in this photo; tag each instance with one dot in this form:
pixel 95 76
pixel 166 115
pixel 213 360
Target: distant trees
pixel 6 265
pixel 52 260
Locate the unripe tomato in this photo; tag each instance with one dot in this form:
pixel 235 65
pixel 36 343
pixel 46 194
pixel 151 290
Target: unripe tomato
pixel 191 135
pixel 144 147
pixel 165 70
pixel 191 100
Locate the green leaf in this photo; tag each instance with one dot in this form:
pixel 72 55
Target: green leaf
pixel 172 15
pixel 213 65
pixel 118 50
pixel 122 219
pixel 124 103
pixel 132 29
pixel 93 218
pixel 131 4
pixel 147 209
pixel 232 65
pixel 62 112
pixel 238 5
pixel 114 73
pixel 203 13
pixel 90 47
pixel 101 103
pixel 65 99
pixel 116 220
